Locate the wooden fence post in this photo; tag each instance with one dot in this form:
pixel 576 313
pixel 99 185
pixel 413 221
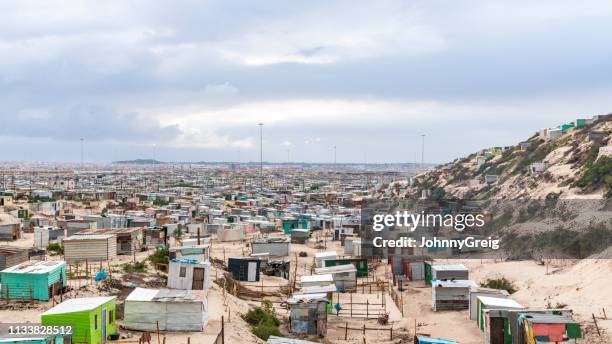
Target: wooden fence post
pixel 596 327
pixel 222 330
pixel 346 330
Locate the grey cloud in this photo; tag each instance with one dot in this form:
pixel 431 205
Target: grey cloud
pixel 96 123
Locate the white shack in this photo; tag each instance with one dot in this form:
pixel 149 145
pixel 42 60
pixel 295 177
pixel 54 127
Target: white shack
pixel 478 291
pixel 188 274
pixel 173 310
pixel 344 276
pixel 321 257
pixel 276 247
pixel 231 233
pixel 316 280
pixel 91 248
pixel 449 272
pixel 451 294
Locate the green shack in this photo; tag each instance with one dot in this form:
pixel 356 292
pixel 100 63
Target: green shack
pixel 581 122
pixel 289 225
pixel 93 318
pixel 565 127
pixel 360 263
pixel 36 280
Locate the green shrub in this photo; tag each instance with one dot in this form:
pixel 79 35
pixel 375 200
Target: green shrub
pixel 134 267
pixel 263 320
pixel 500 283
pixel 598 174
pixel 160 256
pixel 55 248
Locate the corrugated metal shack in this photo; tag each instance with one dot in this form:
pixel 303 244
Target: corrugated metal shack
pixel 11 256
pixel 344 276
pixel 486 302
pixel 171 310
pixel 449 271
pixel 43 236
pixel 9 227
pixel 478 291
pixel 197 252
pixel 91 248
pixel 129 240
pixel 300 235
pixel 188 274
pixel 34 279
pixel 321 257
pixel 519 330
pixel 244 268
pixel 360 263
pixel 276 247
pixel 451 295
pixel 308 314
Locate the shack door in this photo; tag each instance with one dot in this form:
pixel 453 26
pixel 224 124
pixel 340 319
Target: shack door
pixel 198 279
pixel 252 272
pixel 103 325
pixel 497 330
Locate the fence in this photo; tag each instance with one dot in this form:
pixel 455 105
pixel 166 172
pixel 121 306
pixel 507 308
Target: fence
pixel 363 310
pixel 363 330
pixel 397 297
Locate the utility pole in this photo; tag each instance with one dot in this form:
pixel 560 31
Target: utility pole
pixel 82 161
pixel 422 150
pixel 260 156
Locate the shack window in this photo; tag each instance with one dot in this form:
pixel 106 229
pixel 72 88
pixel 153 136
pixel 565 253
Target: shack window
pixel 183 271
pixel 110 317
pixel 95 321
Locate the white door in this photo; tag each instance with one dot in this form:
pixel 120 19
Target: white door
pixel 252 272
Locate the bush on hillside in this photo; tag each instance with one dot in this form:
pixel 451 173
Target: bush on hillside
pixel 500 283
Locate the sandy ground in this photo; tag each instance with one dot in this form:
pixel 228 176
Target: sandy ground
pixel 581 286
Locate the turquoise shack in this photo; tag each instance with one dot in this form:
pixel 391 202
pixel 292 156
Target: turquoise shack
pixel 37 280
pixel 291 224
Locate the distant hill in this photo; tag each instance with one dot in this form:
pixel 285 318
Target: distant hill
pixel 139 162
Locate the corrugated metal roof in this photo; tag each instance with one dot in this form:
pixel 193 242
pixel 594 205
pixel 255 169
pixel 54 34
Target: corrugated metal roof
pixel 284 340
pixel 89 237
pixel 79 304
pixel 8 250
pixel 317 278
pixel 454 283
pixel 326 254
pixel 449 267
pixel 34 267
pixel 315 289
pixel 336 269
pixel 498 302
pixel 160 295
pixel 298 298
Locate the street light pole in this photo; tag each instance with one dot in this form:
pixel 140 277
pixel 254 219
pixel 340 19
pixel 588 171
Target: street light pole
pixel 422 150
pixel 260 156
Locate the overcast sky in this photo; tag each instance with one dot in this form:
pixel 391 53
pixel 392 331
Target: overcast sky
pixel 190 80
